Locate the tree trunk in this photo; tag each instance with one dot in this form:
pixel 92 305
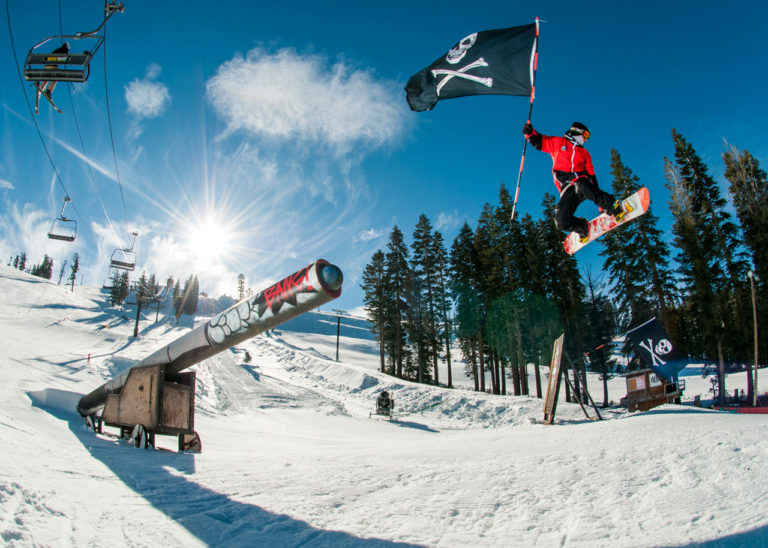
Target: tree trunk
pixel 381 347
pixel 537 372
pixel 494 373
pixel 481 354
pixel 448 359
pixel 503 377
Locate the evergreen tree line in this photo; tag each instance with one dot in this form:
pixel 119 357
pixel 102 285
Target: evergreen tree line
pixel 507 289
pixel 149 292
pixel 45 269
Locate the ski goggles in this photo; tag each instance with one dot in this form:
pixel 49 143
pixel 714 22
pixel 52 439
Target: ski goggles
pixel 583 132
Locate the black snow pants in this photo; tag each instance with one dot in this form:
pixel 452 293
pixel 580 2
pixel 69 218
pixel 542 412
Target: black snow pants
pixel 584 188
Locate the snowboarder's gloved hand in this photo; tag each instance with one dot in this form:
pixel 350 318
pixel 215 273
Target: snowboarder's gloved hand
pixel 527 129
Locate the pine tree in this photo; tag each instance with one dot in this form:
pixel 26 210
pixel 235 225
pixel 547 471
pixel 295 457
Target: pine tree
pixel 749 189
pixel 44 269
pixel 424 332
pixel 637 259
pixel 191 296
pixel 375 298
pixel 601 329
pixel 563 285
pixel 115 291
pixel 124 287
pixel 489 280
pixel 143 296
pixel 176 295
pixel 463 287
pixel 397 274
pixel 240 287
pixel 195 295
pixel 511 247
pixel 180 303
pixel 22 264
pixel 442 298
pixel 711 262
pixel 73 270
pixel 61 271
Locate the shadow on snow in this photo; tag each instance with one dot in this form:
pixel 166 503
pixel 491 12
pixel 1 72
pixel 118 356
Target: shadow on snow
pixel 212 517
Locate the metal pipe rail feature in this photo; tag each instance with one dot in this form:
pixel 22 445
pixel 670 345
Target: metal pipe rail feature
pixel 310 287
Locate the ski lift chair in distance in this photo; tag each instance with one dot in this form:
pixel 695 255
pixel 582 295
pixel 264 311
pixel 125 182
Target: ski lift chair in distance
pixel 63 228
pixel 125 258
pixel 109 280
pixel 41 66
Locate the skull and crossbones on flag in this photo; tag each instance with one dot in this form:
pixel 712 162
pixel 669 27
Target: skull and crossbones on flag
pixel 655 348
pixel 492 62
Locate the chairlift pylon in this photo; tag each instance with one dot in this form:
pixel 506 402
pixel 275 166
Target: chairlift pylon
pixel 124 258
pixel 41 66
pixel 63 228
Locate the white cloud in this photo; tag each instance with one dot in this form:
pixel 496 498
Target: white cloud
pixel 147 98
pixel 370 234
pixel 447 220
pixel 286 96
pixel 6 184
pixel 25 229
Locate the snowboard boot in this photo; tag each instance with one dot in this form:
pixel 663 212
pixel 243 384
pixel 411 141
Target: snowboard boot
pixel 617 211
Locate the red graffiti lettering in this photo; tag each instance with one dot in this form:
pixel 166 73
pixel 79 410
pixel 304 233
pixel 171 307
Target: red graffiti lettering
pixel 285 288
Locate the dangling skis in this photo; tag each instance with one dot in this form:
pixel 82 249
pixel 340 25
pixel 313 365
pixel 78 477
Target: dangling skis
pixel 47 95
pixel 634 206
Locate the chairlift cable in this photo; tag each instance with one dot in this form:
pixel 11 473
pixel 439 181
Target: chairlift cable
pixel 29 107
pixel 80 135
pixel 109 119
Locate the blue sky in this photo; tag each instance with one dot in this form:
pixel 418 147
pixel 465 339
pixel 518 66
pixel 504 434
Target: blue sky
pixel 256 137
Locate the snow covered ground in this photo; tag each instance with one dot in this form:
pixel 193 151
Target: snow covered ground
pixel 290 456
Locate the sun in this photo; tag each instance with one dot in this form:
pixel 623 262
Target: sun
pixel 210 241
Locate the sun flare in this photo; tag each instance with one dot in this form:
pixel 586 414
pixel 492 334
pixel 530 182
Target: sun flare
pixel 210 242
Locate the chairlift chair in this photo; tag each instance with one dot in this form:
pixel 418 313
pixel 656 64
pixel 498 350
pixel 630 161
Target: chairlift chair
pixel 57 67
pixel 63 228
pixel 66 67
pixel 109 280
pixel 125 258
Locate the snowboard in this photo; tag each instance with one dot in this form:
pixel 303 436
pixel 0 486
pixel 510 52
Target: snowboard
pixel 635 205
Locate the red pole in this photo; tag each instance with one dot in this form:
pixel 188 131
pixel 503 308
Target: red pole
pixel 530 112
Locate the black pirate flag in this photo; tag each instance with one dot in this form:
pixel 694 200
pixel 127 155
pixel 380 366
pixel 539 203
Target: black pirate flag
pixel 491 62
pixel 656 349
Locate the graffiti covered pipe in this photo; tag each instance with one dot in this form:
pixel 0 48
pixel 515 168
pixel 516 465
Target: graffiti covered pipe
pixel 310 287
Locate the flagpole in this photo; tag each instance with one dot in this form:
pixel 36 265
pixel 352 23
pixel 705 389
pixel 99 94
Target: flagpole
pixel 530 112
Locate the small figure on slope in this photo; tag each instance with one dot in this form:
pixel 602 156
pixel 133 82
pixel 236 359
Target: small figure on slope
pixel 574 177
pixel 384 404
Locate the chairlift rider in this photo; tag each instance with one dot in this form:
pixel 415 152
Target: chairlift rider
pixel 46 87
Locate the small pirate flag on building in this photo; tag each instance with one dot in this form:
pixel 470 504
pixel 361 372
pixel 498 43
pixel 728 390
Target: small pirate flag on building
pixel 656 350
pixel 491 62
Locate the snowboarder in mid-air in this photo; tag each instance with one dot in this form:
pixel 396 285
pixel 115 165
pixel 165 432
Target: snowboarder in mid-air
pixel 574 177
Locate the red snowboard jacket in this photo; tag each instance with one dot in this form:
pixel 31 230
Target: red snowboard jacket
pixel 569 162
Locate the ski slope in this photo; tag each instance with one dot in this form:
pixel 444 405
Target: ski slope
pixel 290 456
